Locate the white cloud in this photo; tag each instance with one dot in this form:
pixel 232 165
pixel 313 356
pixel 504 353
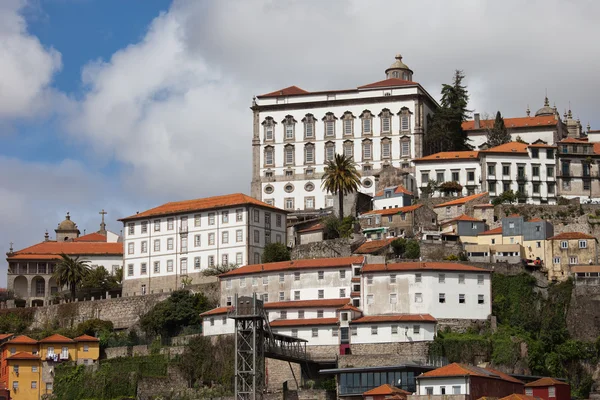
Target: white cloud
pixel 26 67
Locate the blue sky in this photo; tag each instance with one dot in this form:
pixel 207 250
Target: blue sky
pixel 125 104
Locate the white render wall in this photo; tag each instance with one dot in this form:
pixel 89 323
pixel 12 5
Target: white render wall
pixel 438 383
pixel 446 167
pixel 547 136
pixel 381 203
pixel 110 263
pixel 325 335
pixel 406 289
pixel 217 325
pixel 303 107
pixel 292 313
pixel 405 332
pixel 244 251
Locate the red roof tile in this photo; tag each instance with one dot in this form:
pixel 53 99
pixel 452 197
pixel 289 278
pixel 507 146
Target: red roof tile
pixel 495 231
pixel 86 338
pixel 56 338
pixel 519 396
pixel 394 318
pixel 420 266
pixel 314 228
pixel 384 390
pixel 23 356
pixel 536 220
pixel 574 140
pixel 307 303
pixel 399 190
pixel 5 336
pixel 456 369
pixel 543 145
pixel 596 148
pixel 216 311
pixel 349 307
pixel 207 203
pixel 22 339
pixel 462 217
pixel 571 235
pixel 449 155
pixel 91 237
pixel 519 122
pixel 303 322
pixel 546 381
pixel 288 91
pixel 461 200
pixel 397 210
pixel 52 250
pixel 510 147
pixel 391 82
pixel 295 265
pixel 373 246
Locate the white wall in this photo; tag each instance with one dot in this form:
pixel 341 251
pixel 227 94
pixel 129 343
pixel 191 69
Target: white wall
pixel 381 203
pixel 446 168
pixel 110 263
pixel 324 334
pixel 437 383
pixel 480 138
pixel 405 332
pixel 217 325
pixel 406 289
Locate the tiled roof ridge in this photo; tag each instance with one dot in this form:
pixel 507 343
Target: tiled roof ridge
pixel 295 264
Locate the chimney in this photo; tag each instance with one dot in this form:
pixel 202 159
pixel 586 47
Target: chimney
pixel 46 237
pixel 477 123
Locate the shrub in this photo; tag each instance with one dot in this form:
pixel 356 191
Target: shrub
pixel 274 252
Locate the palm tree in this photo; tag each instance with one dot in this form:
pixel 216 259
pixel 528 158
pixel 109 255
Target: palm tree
pixel 70 272
pixel 342 178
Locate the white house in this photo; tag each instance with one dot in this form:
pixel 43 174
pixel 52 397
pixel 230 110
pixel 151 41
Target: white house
pixel 295 133
pixel 181 239
pixel 392 197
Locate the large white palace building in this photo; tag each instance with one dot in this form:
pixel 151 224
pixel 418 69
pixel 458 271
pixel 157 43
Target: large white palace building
pixel 295 133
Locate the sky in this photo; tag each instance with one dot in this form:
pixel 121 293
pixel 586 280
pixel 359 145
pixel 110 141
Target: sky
pixel 123 105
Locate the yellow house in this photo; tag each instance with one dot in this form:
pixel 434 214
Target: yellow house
pixel 24 375
pixel 58 348
pixel 19 344
pixel 490 237
pixel 88 349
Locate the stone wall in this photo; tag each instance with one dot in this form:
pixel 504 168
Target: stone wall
pixel 278 372
pixel 433 250
pixel 583 316
pixel 162 284
pixel 324 249
pixel 378 354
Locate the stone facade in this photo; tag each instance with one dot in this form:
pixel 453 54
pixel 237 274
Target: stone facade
pixel 375 355
pixel 324 249
pixel 435 250
pixel 566 250
pixel 459 206
pixel 163 284
pixel 583 315
pixel 278 372
pixel 403 221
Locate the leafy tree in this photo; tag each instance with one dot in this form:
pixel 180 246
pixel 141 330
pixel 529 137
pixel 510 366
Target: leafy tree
pixel 204 363
pixel 334 228
pixel 99 278
pixel 341 178
pixel 428 190
pixel 506 197
pixel 94 327
pixel 413 250
pixel 399 246
pixel 181 309
pixel 71 272
pixel 498 134
pixel 450 187
pixel 445 131
pixel 219 269
pixel 119 275
pixel 274 252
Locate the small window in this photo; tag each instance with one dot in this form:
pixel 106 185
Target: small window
pixel 564 244
pixel 296 276
pixel 370 299
pixel 295 332
pixel 528 391
pixel 281 296
pixel 393 298
pixel 480 299
pixel 442 297
pixel 461 278
pixel 416 329
pixel 556 260
pixel 281 277
pixel 321 294
pixel 551 391
pixel 480 279
pixel 374 330
pixel 461 299
pixel 342 293
pixel 442 278
pixel 315 332
pixel 86 347
pixel 321 275
pixel 393 278
pixel 301 314
pixel 583 244
pixel 319 313
pixel 342 274
pixel 394 329
pixel 283 314
pixel 429 390
pixel 265 280
pixel 418 297
pixel 296 295
pixel 418 278
pixel 353 331
pixel 370 280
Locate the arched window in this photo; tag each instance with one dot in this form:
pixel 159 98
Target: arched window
pixel 309 126
pixel 288 153
pixel 329 125
pixel 289 126
pixel 367 123
pixel 269 129
pixel 269 156
pixel 348 123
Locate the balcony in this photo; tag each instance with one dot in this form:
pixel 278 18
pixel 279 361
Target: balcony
pixel 521 178
pixel 183 230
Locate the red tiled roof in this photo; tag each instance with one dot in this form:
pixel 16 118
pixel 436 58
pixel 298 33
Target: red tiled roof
pixel 596 148
pixel 5 336
pixel 571 235
pixel 520 122
pixel 23 356
pixel 216 311
pixel 307 303
pixel 22 339
pixel 419 266
pixel 314 228
pixel 495 231
pixel 56 338
pixel 543 145
pixel 384 390
pixel 546 381
pixel 86 338
pixel 504 376
pixel 349 307
pixel 207 203
pixel 462 217
pixel 519 396
pixel 450 155
pixel 295 264
pixel 510 147
pixel 303 322
pixel 574 140
pixel 391 82
pixel 461 200
pixel 456 369
pixel 373 246
pixel 91 237
pixel 392 211
pixel 536 220
pixel 288 91
pixel 399 189
pixel 395 318
pixel 52 250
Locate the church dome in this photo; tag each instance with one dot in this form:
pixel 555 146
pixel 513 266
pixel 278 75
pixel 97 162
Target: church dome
pixel 399 70
pixel 67 224
pixel 546 110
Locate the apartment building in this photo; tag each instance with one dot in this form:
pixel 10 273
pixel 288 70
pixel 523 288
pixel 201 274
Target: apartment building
pixel 578 174
pixel 397 222
pixel 392 197
pixel 463 205
pixel 296 132
pixel 181 239
pixel 569 249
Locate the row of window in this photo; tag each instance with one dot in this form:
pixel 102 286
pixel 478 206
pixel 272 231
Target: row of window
pixel 211 220
pixel 521 187
pixel 183 264
pixel 34 385
pixel 330 126
pixel 573 260
pixel 419 298
pixel 289 151
pixel 521 173
pixel 441 278
pixel 416 330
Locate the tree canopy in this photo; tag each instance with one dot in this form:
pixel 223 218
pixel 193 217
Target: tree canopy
pixel 99 278
pixel 71 272
pixel 444 132
pixel 274 252
pixel 341 178
pixel 498 134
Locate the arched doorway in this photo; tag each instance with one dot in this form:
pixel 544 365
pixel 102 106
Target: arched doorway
pixel 38 287
pixel 20 287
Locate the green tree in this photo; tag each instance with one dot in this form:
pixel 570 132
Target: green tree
pixel 341 178
pixel 506 197
pixel 181 309
pixel 119 275
pixel 498 134
pixel 219 269
pixel 99 278
pixel 204 363
pixel 428 190
pixel 413 250
pixel 399 246
pixel 71 272
pixel 274 252
pixel 334 228
pixel 450 187
pixel 445 131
